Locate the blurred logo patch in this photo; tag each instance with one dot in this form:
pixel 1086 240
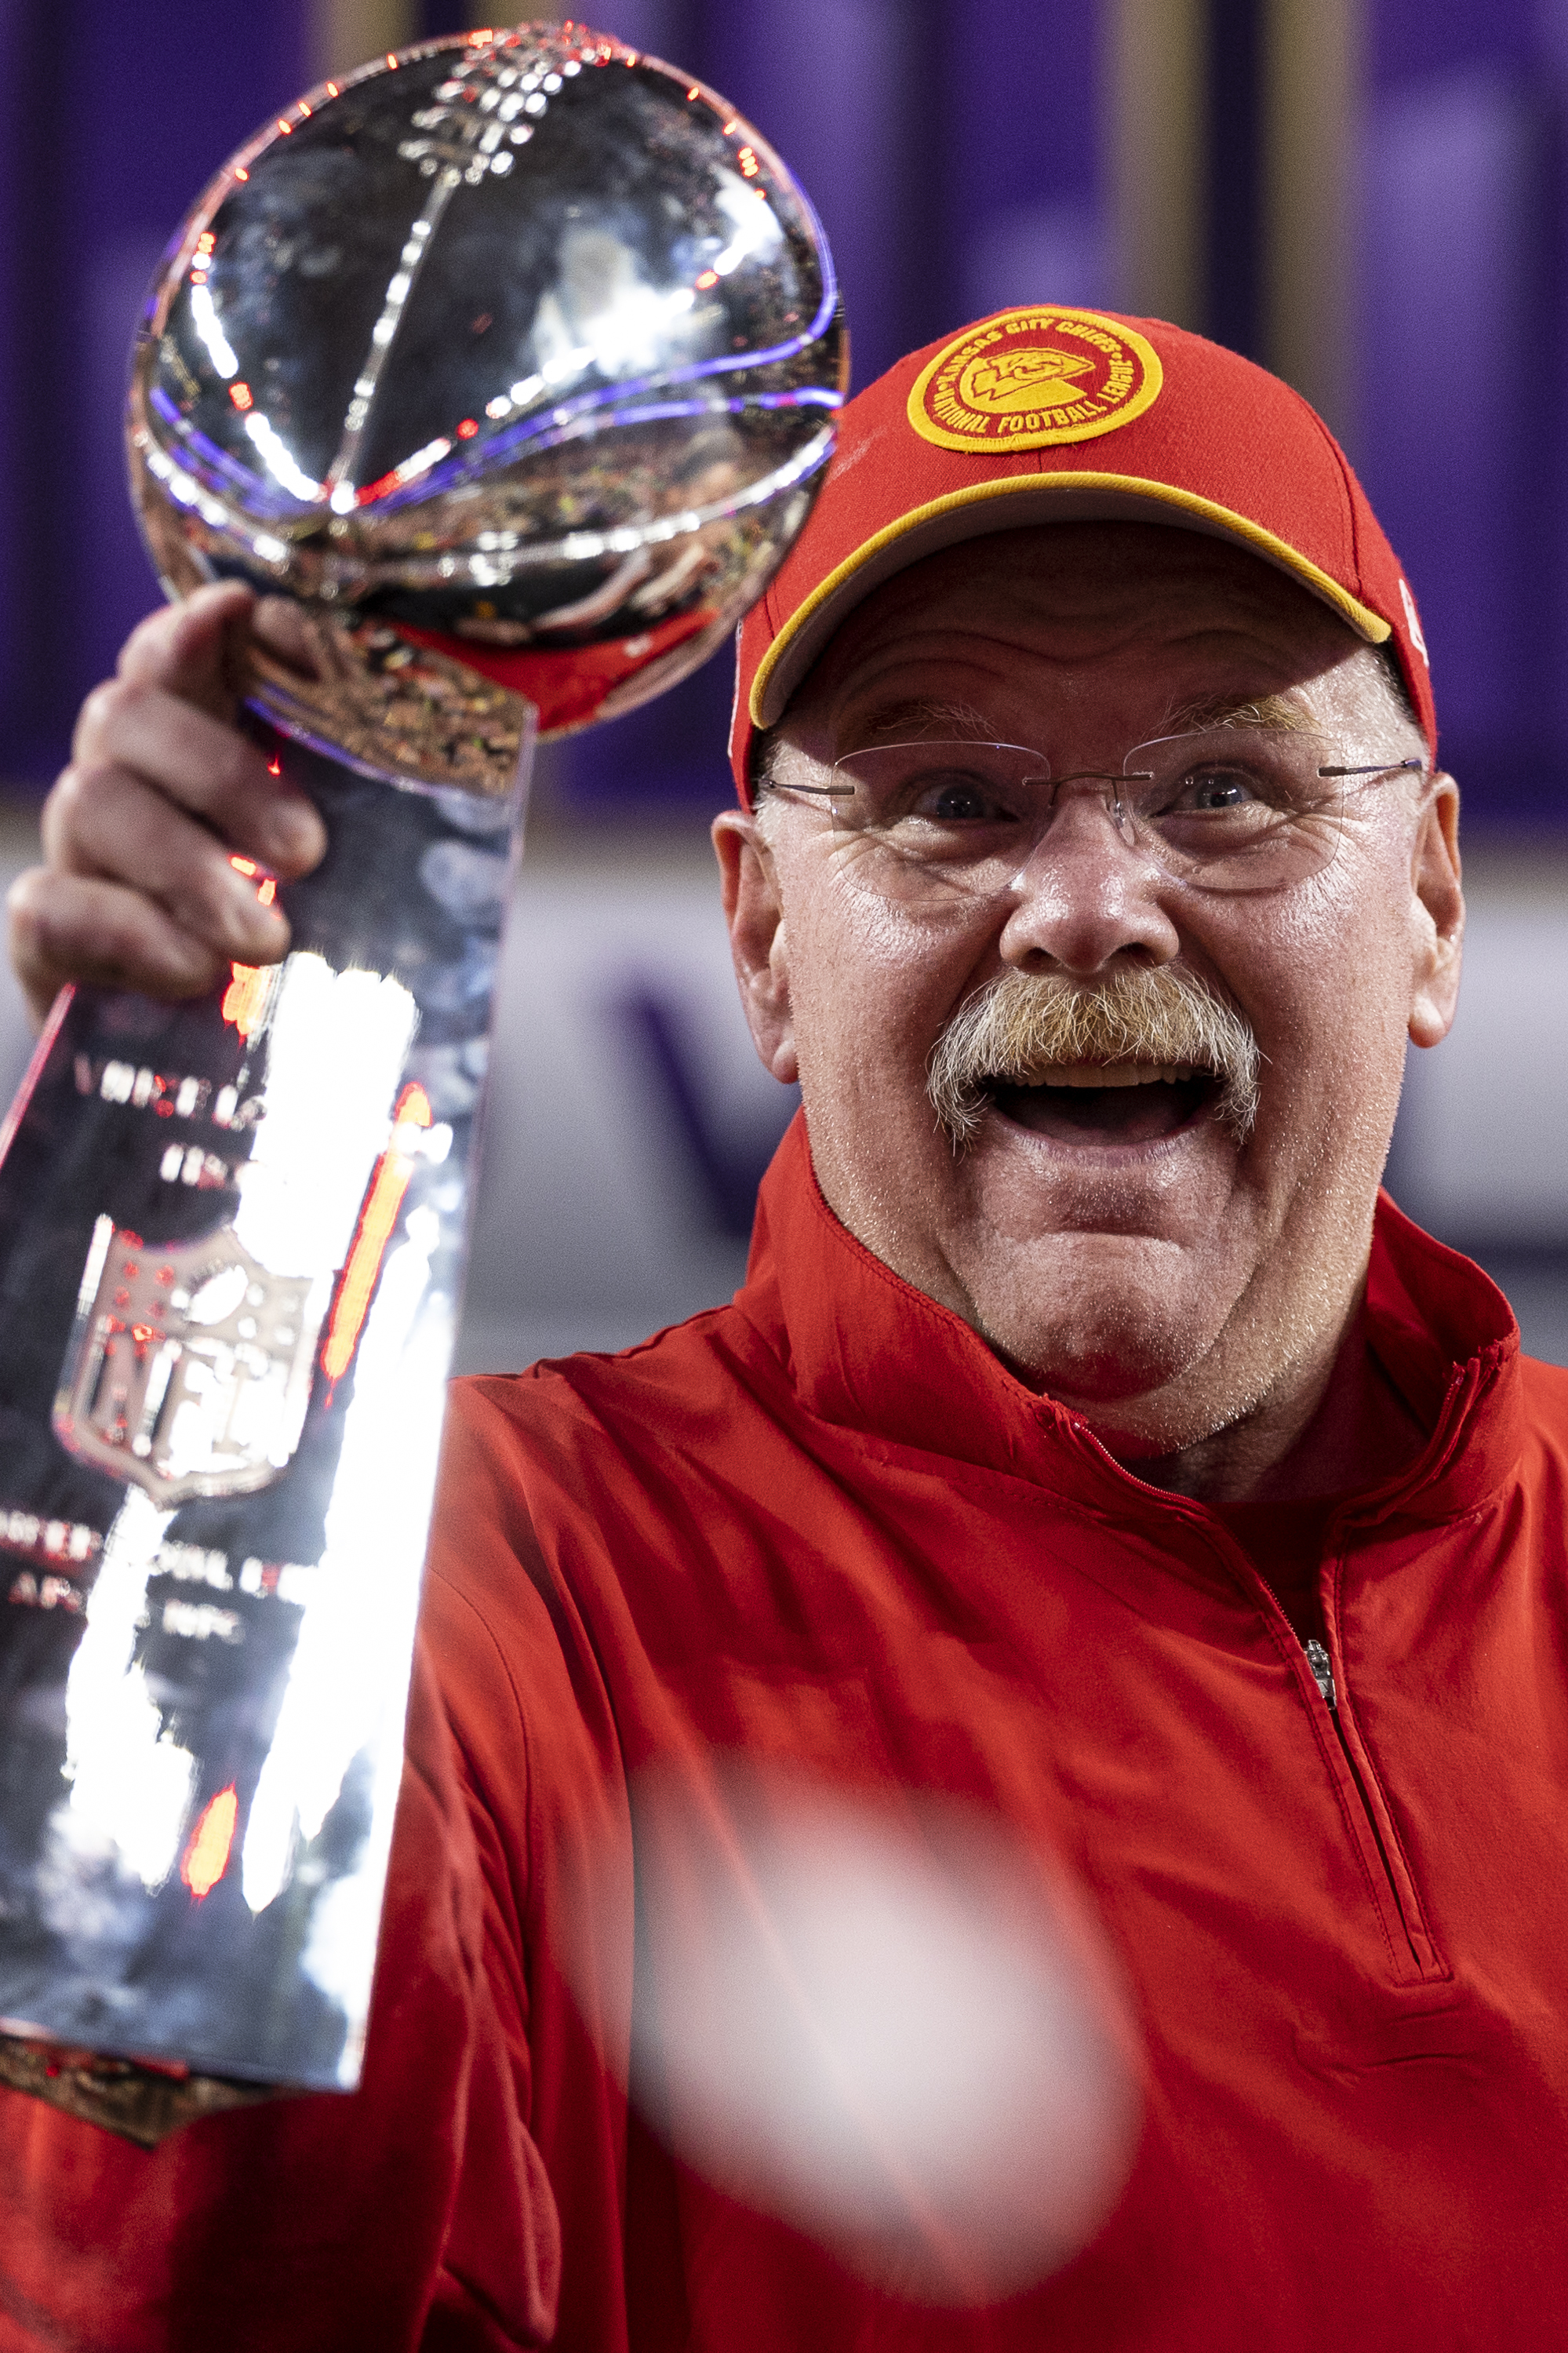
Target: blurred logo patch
pixel 1026 379
pixel 1412 622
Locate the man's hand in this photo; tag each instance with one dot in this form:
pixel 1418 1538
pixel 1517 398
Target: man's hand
pixel 137 890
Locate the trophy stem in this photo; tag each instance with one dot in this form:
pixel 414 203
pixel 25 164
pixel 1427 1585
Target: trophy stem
pixel 232 1237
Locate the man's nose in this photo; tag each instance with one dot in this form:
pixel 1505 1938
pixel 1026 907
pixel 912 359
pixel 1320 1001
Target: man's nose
pixel 1084 894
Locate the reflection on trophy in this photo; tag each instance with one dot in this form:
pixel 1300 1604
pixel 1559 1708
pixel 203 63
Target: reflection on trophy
pixel 505 372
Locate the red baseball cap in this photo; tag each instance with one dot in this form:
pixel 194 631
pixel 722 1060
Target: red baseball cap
pixel 1051 414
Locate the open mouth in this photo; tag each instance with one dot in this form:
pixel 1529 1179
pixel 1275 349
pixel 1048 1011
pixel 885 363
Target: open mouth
pixel 1114 1103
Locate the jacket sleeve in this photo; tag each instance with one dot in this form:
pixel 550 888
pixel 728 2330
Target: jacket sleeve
pixel 413 2212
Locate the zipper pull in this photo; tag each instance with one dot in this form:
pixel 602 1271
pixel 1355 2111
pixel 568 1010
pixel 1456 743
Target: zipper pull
pixel 1322 1672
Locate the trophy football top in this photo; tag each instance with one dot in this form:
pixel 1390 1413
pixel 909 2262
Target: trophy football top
pixel 513 361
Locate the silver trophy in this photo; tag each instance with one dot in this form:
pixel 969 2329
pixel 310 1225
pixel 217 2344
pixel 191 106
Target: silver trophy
pixel 508 370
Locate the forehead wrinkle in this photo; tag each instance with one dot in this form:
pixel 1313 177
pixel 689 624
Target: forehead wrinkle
pixel 1078 596
pixel 1073 618
pixel 911 718
pixel 879 687
pixel 1076 648
pixel 1257 651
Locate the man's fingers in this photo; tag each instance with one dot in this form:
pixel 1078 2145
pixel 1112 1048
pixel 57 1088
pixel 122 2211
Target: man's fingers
pixel 193 759
pixel 139 889
pixel 108 824
pixel 69 927
pixel 194 650
pixel 288 634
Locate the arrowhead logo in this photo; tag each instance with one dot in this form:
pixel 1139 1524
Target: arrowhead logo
pixel 1036 377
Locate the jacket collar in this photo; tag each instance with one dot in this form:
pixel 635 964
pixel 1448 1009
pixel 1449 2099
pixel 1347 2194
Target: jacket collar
pixel 864 1349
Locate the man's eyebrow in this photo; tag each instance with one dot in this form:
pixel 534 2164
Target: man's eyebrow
pixel 911 718
pixel 1267 711
pixel 904 721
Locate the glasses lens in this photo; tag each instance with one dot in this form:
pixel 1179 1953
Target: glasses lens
pixel 1239 809
pixel 933 818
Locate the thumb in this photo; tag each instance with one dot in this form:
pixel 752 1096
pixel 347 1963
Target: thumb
pixel 196 649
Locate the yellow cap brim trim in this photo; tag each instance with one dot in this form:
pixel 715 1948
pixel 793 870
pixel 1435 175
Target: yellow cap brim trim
pixel 812 623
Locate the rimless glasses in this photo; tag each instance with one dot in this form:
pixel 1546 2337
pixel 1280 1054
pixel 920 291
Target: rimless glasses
pixel 1231 808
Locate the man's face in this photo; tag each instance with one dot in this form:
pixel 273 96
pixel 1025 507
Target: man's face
pixel 1149 1266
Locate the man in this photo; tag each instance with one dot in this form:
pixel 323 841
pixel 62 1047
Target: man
pixel 1091 1446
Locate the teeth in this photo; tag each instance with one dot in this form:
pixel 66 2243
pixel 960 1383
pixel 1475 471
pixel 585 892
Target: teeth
pixel 1116 1074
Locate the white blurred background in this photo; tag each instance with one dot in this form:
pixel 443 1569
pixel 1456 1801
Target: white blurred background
pixel 629 1119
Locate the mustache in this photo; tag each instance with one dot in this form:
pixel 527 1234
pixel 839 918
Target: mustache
pixel 1020 1027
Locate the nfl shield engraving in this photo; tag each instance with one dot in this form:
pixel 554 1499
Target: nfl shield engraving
pixel 189 1368
pixel 505 373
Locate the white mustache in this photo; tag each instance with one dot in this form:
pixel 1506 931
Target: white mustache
pixel 1023 1025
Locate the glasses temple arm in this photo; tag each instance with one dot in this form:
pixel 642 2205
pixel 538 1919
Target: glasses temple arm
pixel 1379 768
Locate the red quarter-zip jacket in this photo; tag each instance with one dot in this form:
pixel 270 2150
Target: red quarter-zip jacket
pixel 825 1526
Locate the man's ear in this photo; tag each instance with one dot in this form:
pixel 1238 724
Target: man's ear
pixel 1440 909
pixel 754 914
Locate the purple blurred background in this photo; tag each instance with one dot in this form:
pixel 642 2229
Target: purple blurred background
pixel 1370 195
pixel 957 151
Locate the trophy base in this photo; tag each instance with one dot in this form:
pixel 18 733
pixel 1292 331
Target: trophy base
pixel 143 2103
